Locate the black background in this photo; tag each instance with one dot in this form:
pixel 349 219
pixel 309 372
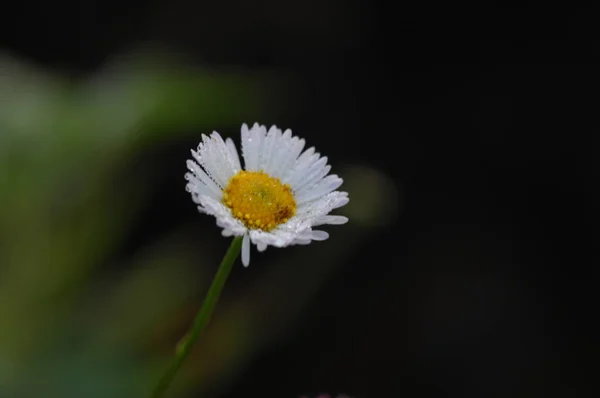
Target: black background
pixel 484 115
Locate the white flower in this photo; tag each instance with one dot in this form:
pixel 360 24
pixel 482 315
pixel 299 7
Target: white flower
pixel 276 199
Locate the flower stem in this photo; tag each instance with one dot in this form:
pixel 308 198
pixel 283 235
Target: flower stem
pixel 202 318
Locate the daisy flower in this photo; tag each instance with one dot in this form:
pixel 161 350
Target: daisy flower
pixel 276 199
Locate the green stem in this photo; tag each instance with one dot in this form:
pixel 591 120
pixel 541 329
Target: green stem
pixel 202 318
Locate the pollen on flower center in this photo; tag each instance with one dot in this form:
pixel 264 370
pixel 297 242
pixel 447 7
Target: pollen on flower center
pixel 259 200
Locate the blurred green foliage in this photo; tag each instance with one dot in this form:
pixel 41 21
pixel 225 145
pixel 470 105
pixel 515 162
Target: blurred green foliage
pixel 67 330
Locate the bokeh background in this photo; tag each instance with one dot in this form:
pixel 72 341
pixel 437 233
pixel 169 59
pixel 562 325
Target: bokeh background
pixel 463 133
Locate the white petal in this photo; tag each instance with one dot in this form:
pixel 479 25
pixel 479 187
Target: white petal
pixel 299 241
pixel 260 132
pixel 323 187
pixel 205 156
pixel 246 250
pixel 202 210
pixel 234 154
pixel 319 235
pixel 231 160
pixel 270 146
pixel 306 155
pixel 213 156
pixel 253 147
pixel 300 166
pixel 199 182
pixel 287 164
pixel 331 220
pixel 341 202
pixel 196 188
pixel 311 211
pixel 219 162
pixel 261 246
pixel 248 149
pixel 305 234
pixel 260 237
pixel 285 145
pixel 223 215
pixel 313 175
pixel 283 235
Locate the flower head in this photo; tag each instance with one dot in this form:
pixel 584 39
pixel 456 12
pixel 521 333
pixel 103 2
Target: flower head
pixel 276 199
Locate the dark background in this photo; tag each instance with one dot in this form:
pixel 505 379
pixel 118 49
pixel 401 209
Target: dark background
pixel 482 116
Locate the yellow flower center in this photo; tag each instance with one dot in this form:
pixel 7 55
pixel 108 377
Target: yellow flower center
pixel 259 200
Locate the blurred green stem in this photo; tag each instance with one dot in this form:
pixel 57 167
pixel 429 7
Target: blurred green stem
pixel 185 346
